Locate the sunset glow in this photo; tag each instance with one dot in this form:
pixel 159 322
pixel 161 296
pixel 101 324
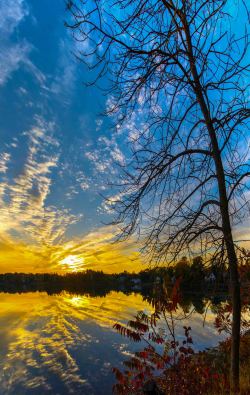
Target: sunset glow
pixel 57 154
pixel 72 263
pixel 124 197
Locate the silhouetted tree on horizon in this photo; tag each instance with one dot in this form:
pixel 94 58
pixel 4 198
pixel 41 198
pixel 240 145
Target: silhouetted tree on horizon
pixel 179 75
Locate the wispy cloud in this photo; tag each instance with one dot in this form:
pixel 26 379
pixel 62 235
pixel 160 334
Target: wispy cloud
pixel 105 156
pixel 23 200
pixel 13 54
pixel 11 57
pixel 97 251
pixel 4 159
pixel 12 12
pixel 65 75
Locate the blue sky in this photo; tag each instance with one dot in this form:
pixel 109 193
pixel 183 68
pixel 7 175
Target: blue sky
pixel 56 151
pixel 42 83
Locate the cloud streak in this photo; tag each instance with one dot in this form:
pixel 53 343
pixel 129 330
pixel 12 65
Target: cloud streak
pixel 23 199
pixel 32 232
pixel 97 251
pixel 13 54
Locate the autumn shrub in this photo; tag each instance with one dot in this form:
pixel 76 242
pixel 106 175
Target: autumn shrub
pixel 173 366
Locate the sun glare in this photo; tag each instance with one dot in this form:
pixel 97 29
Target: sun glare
pixel 72 262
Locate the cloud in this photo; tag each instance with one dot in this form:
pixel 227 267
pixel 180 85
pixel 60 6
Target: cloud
pixel 12 12
pixel 65 75
pixel 106 156
pixel 13 54
pixel 11 57
pixel 4 159
pixel 33 232
pixel 78 181
pixel 83 181
pixel 97 251
pixel 23 200
pixel 109 204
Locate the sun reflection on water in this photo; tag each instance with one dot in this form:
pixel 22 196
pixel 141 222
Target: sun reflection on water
pixel 49 339
pixel 77 301
pixel 63 344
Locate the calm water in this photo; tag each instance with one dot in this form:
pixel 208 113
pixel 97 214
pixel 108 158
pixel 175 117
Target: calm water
pixel 65 344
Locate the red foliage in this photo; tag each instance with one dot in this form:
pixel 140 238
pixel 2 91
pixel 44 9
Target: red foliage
pixel 133 335
pixel 181 373
pixel 175 369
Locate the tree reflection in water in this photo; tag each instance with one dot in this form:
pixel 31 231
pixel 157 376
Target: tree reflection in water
pixel 167 363
pixel 64 343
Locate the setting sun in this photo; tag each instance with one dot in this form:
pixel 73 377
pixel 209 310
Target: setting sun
pixel 73 263
pixel 124 197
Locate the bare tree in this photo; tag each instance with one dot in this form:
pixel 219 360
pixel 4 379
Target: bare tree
pixel 180 72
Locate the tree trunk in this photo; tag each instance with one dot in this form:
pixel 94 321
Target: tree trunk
pixel 236 302
pixel 225 217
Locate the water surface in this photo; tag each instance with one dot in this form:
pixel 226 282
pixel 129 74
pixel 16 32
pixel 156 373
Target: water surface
pixel 64 344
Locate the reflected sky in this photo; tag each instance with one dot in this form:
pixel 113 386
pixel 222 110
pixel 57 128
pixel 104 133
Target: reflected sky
pixel 64 344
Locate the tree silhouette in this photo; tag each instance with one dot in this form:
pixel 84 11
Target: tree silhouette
pixel 179 86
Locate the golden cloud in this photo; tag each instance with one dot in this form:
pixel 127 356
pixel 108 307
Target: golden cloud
pixel 93 251
pixel 32 233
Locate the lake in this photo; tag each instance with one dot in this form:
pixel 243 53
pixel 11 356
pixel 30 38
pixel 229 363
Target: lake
pixel 65 344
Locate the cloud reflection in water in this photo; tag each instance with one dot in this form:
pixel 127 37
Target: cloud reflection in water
pixel 64 344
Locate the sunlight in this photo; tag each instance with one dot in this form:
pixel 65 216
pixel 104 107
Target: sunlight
pixel 77 301
pixel 72 262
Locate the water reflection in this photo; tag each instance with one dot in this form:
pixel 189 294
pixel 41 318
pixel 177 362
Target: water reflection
pixel 64 344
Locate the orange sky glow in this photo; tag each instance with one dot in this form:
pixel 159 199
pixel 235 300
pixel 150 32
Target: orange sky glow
pixel 94 251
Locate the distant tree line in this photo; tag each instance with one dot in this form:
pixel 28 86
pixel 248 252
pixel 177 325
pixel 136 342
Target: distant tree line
pixel 195 276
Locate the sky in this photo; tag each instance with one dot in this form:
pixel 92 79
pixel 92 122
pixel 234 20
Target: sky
pixel 57 152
